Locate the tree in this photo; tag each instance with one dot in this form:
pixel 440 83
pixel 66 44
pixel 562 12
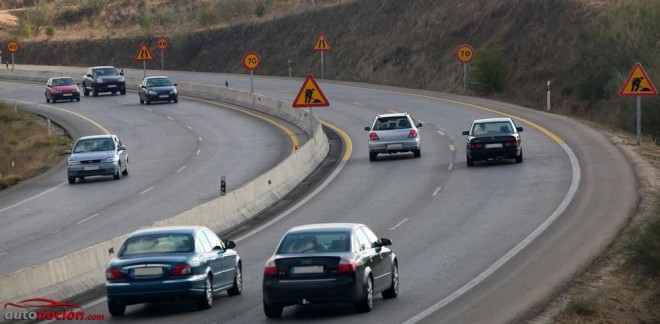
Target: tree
pixel 489 70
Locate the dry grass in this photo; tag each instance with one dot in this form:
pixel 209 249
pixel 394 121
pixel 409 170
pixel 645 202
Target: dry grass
pixel 26 148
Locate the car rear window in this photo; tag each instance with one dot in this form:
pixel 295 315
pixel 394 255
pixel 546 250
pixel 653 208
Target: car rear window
pixel 399 122
pixel 157 243
pixel 492 128
pixel 315 242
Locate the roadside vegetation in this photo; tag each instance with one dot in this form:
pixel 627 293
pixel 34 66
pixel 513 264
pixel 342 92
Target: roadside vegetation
pixel 27 149
pixel 585 47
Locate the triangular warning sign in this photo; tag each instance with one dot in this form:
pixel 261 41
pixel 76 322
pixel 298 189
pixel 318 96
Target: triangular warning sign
pixel 144 53
pixel 310 95
pixel 638 83
pixel 322 44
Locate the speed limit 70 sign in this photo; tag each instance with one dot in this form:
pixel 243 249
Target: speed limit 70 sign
pixel 12 46
pixel 465 53
pixel 251 60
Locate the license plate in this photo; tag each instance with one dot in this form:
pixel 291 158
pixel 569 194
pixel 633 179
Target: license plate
pixel 394 146
pixel 307 269
pixel 494 145
pixel 91 167
pixel 151 271
pixel 68 94
pixel 164 96
pixel 111 85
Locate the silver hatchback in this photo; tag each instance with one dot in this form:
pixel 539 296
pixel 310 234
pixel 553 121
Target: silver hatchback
pixel 394 133
pixel 97 155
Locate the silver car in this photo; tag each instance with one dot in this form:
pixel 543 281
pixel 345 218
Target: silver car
pixel 394 133
pixel 98 155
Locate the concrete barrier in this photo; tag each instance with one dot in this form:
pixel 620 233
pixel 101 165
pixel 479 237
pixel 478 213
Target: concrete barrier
pixel 75 273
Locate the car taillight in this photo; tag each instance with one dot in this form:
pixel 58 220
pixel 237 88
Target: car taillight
pixel 113 274
pixel 476 146
pixel 373 136
pixel 511 144
pixel 270 269
pixel 346 265
pixel 412 134
pixel 182 270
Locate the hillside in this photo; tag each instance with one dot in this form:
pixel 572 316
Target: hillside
pixel 586 47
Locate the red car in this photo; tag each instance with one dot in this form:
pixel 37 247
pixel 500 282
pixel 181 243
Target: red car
pixel 62 88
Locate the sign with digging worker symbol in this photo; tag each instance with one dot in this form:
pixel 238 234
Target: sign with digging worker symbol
pixel 638 83
pixel 310 95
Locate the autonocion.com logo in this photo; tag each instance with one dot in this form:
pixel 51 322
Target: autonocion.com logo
pixel 43 309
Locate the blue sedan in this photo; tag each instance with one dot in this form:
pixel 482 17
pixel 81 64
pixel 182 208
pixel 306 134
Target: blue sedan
pixel 171 264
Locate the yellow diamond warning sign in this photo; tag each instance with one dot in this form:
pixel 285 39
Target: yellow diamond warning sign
pixel 310 95
pixel 144 53
pixel 638 83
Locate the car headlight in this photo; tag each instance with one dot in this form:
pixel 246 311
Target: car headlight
pixel 56 92
pixel 109 160
pixel 173 92
pixel 152 93
pixel 99 80
pixel 120 78
pixel 73 162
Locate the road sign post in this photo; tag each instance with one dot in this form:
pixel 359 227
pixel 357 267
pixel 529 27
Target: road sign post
pixel 162 43
pixel 465 54
pixel 638 84
pixel 12 47
pixel 322 45
pixel 251 61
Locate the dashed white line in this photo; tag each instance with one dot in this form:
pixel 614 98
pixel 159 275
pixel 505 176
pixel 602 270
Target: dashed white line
pixel 452 147
pixel 451 166
pixel 198 151
pixel 190 128
pixel 33 197
pixel 441 133
pixel 436 191
pixel 358 104
pixel 2 253
pixel 181 169
pixel 399 224
pixel 147 109
pixel 146 190
pixel 86 219
pixel 199 138
pixel 392 111
pixel 170 118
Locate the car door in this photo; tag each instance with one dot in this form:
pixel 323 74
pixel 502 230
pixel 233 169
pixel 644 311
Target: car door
pixel 224 263
pixel 368 255
pixel 122 153
pixel 381 268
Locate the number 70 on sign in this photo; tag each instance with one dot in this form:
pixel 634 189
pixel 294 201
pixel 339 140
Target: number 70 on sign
pixel 465 53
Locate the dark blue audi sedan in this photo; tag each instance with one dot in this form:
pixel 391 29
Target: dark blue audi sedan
pixel 171 264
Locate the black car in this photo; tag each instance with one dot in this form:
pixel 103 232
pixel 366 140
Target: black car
pixel 329 263
pixel 493 139
pixel 100 79
pixel 157 88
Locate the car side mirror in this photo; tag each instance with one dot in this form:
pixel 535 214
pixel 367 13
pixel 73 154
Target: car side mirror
pixel 121 73
pixel 66 152
pixel 519 128
pixel 230 244
pixel 175 84
pixel 385 242
pixel 367 128
pixel 121 148
pixel 420 124
pixel 48 86
pixel 89 75
pixel 466 133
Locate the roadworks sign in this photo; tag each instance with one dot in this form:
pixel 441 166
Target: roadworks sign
pixel 638 83
pixel 310 95
pixel 144 53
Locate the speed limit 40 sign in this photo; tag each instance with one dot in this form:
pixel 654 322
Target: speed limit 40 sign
pixel 12 46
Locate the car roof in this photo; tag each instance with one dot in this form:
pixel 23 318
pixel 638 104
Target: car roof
pixel 168 229
pixel 103 67
pixel 62 77
pixel 96 136
pixel 324 227
pixel 157 77
pixel 492 120
pixel 393 115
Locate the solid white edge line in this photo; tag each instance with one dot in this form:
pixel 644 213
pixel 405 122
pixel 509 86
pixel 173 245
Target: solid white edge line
pixel 33 197
pixel 575 165
pixel 297 205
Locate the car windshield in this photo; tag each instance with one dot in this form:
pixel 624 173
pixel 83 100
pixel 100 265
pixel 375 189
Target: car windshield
pixel 63 82
pixel 492 128
pixel 398 122
pixel 157 243
pixel 105 72
pixel 160 82
pixel 315 242
pixel 94 145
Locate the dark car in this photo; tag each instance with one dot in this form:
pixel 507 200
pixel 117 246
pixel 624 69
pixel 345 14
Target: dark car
pixel 394 133
pixel 97 155
pixel 157 88
pixel 100 79
pixel 329 263
pixel 172 264
pixel 493 139
pixel 62 88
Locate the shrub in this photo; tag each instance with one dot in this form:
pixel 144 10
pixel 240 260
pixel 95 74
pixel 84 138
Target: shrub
pixel 488 70
pixel 643 248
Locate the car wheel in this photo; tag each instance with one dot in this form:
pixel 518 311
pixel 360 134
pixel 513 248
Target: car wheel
pixel 85 90
pixel 470 162
pixel 53 100
pixel 95 92
pixel 47 100
pixel 125 172
pixel 176 100
pixel 78 99
pixel 114 93
pixel 122 92
pixel 237 289
pixel 519 158
pixel 373 156
pixel 72 180
pixel 116 309
pixel 417 153
pixel 272 311
pixel 394 288
pixel 116 175
pixel 367 302
pixel 206 301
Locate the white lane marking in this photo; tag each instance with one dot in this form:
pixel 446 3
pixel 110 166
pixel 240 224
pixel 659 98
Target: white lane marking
pixel 358 104
pixel 441 133
pixel 286 213
pixel 436 191
pixel 3 253
pixel 190 128
pixel 170 118
pixel 452 147
pixel 86 219
pixel 147 109
pixel 392 111
pixel 399 224
pixel 31 198
pixel 575 182
pixel 285 91
pixel 181 169
pixel 451 166
pixel 198 151
pixel 199 138
pixel 146 190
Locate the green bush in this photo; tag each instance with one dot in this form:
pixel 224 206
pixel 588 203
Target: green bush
pixel 488 70
pixel 643 248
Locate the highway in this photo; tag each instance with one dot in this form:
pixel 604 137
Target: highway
pixel 483 244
